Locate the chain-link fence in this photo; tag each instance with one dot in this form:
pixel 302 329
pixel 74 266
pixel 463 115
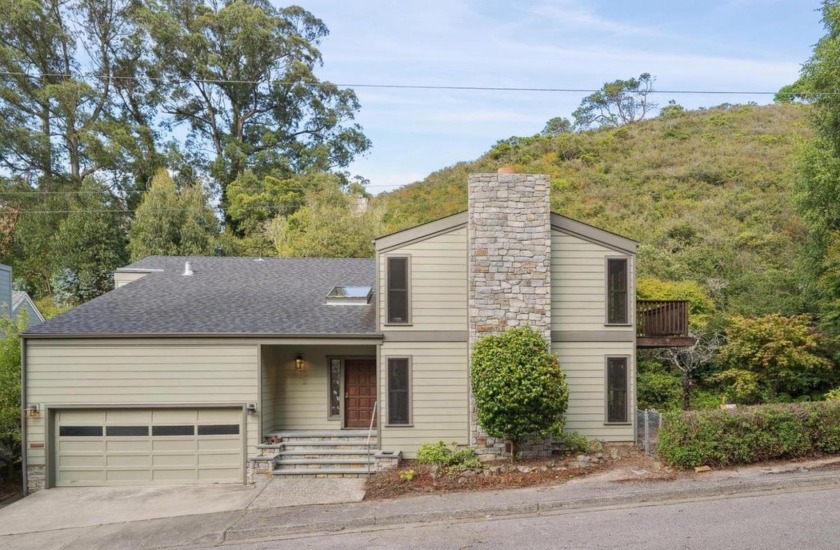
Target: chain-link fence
pixel 648 423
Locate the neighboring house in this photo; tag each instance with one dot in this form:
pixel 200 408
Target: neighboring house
pixel 21 302
pixel 190 365
pixel 13 303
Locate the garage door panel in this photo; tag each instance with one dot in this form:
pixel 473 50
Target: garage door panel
pixel 219 415
pixel 128 416
pixel 174 416
pixel 129 460
pixel 173 460
pixel 131 475
pixel 82 461
pixel 118 445
pixel 174 444
pixel 82 417
pixel 176 475
pixel 82 476
pixel 219 460
pixel 149 447
pixel 211 444
pixel 82 445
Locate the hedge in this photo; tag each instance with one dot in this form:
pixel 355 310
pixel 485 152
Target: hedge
pixel 749 434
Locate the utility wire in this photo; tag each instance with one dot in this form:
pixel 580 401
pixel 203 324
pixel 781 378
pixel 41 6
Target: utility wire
pixel 400 86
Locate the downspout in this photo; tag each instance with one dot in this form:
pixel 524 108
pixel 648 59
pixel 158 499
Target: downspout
pixel 23 426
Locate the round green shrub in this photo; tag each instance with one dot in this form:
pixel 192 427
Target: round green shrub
pixel 518 384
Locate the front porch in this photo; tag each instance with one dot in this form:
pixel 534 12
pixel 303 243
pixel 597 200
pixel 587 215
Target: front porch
pixel 320 410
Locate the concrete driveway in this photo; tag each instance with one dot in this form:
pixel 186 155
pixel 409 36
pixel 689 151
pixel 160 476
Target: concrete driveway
pixel 67 507
pixel 78 507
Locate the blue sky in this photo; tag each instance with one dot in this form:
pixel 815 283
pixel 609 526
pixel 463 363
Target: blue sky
pixel 686 44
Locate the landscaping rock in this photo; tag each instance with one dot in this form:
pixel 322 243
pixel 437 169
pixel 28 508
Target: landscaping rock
pixel 702 469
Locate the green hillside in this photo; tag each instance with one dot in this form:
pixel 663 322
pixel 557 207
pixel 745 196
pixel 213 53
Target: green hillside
pixel 707 193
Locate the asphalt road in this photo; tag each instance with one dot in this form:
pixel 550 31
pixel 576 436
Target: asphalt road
pixel 784 520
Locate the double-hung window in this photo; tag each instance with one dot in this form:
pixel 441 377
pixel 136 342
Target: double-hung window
pixel 618 308
pixel 399 391
pixel 617 390
pixel 397 277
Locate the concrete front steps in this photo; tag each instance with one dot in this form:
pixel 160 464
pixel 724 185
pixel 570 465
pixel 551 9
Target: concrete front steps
pixel 319 453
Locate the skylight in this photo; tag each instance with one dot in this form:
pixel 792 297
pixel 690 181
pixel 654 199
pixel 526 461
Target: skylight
pixel 349 295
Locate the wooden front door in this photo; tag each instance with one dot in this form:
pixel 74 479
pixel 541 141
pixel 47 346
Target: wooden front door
pixel 359 392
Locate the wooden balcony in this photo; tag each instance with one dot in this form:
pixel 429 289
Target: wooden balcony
pixel 662 324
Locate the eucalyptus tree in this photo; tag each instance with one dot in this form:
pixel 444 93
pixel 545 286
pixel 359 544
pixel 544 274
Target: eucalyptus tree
pixel 240 74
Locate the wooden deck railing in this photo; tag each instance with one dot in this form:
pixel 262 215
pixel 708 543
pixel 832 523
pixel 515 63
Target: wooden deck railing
pixel 661 318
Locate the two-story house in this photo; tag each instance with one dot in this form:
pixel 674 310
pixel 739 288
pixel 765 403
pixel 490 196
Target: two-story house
pixel 203 370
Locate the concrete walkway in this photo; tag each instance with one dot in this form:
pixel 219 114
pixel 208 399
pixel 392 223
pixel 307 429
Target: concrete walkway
pixel 253 522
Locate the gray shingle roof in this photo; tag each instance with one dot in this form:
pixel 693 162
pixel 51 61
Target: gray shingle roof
pixel 227 296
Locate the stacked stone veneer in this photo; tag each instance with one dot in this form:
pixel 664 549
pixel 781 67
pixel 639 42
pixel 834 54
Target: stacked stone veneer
pixel 509 269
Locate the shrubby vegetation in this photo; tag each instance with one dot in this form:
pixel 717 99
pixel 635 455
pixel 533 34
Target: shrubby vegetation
pixel 10 405
pixel 749 434
pixel 450 457
pixel 520 389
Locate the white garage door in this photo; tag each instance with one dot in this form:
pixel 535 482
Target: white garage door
pixel 148 447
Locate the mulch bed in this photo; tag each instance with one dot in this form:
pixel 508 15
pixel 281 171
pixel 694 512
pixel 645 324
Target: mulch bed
pixel 10 490
pixel 523 473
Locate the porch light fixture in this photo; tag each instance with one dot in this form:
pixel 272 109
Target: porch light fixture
pixel 32 410
pixel 299 362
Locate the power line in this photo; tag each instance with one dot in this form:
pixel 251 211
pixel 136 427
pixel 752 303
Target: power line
pixel 400 86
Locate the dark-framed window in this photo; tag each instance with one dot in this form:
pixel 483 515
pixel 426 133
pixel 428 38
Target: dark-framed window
pixel 399 391
pixel 618 309
pixel 397 276
pixel 618 406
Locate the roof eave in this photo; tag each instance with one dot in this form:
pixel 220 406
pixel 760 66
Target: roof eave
pixel 593 234
pixel 110 336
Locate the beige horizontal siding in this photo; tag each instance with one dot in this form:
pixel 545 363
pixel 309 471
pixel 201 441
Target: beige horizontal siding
pixel 300 401
pixel 585 366
pixel 122 279
pixel 438 290
pixel 578 283
pixel 149 372
pixel 439 398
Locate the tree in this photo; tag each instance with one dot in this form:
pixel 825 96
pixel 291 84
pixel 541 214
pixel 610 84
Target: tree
pixel 819 170
pixel 772 356
pixel 10 405
pixel 254 201
pixel 173 223
pixel 89 246
pixel 72 97
pixel 556 126
pixel 616 103
pixel 689 360
pixel 332 224
pixel 519 387
pixel 241 75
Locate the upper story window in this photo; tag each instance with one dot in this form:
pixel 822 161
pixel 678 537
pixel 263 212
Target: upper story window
pixel 618 308
pixel 397 276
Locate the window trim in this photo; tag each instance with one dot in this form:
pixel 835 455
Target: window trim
pixel 387 420
pixel 628 302
pixel 408 291
pixel 628 405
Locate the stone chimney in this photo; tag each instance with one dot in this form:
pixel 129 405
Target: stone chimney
pixel 509 263
pixel 509 253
